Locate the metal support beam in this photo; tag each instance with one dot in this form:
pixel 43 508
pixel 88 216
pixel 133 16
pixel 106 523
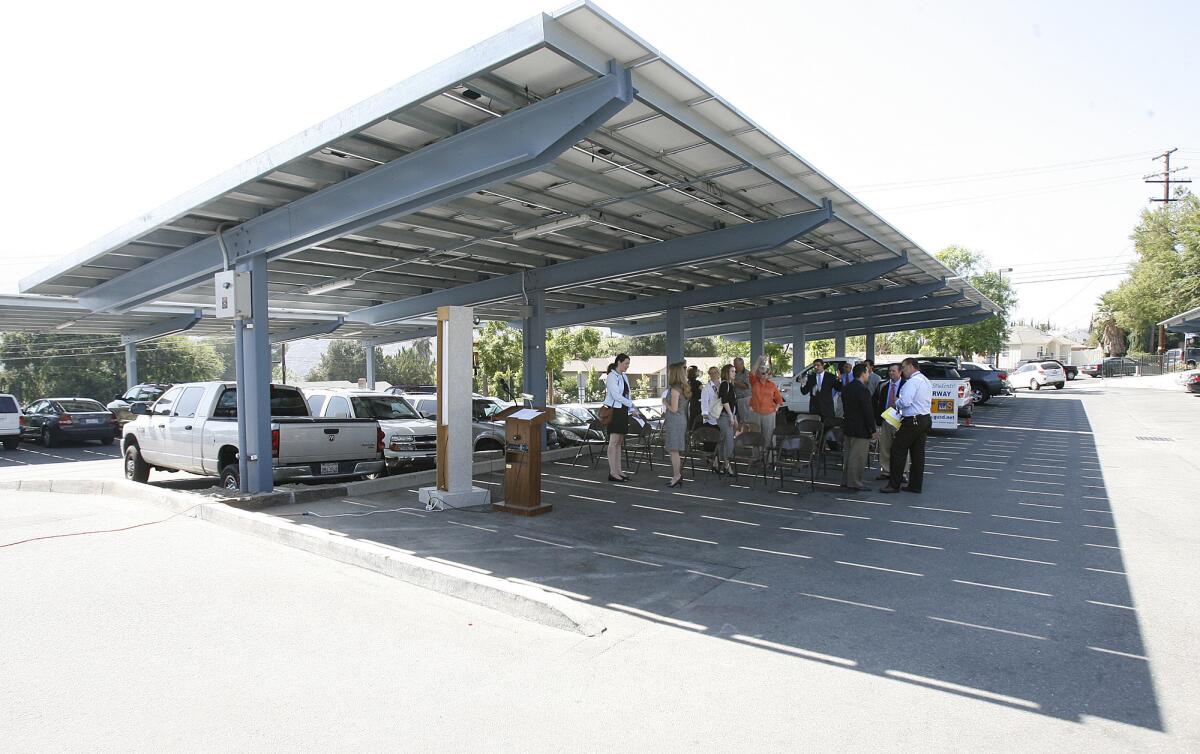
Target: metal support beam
pixel 308 331
pixel 839 342
pixel 674 335
pixel 799 282
pixel 533 348
pixel 179 324
pixel 807 306
pixel 858 316
pixel 799 345
pixel 734 241
pixel 756 339
pixel 131 376
pixel 254 384
pixel 422 332
pixel 870 350
pixel 370 349
pixel 500 150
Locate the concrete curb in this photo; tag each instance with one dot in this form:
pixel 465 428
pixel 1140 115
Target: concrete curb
pixel 518 600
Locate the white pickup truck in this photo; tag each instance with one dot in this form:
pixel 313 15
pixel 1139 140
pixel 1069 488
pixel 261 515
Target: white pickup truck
pixel 194 427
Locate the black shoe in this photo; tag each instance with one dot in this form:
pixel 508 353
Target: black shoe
pixel 910 489
pixel 617 479
pixel 883 478
pixel 677 483
pixel 889 489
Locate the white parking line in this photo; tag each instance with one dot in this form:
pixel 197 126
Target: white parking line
pixel 847 602
pixel 1105 570
pixel 1010 557
pixel 939 510
pixel 1109 604
pixel 592 499
pixel 652 508
pixel 544 541
pixel 877 568
pixel 631 560
pixel 1118 654
pixel 1023 518
pixel 764 505
pixel 1002 588
pixel 775 552
pixel 839 515
pixel 689 539
pixel 906 544
pixel 931 526
pixel 813 531
pixel 1020 536
pixel 987 628
pixel 731 520
pixel 731 581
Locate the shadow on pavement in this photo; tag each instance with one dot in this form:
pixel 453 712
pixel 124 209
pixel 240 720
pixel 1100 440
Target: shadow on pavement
pixel 1003 583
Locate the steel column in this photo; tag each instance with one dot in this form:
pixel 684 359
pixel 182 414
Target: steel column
pixel 870 354
pixel 756 339
pixel 254 384
pixel 839 342
pixel 131 376
pixel 533 348
pixel 798 348
pixel 500 150
pixel 370 349
pixel 674 335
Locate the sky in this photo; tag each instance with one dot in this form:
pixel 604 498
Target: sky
pixel 1020 130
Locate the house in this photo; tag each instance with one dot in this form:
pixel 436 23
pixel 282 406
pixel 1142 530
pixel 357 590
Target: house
pixel 1025 343
pixel 641 369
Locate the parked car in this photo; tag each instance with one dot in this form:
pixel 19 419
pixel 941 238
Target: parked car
pixel 194 427
pixel 1035 374
pixel 1112 366
pixel 573 422
pixel 1070 370
pixel 1178 355
pixel 11 421
pixel 53 421
pixel 986 382
pixel 408 438
pixel 147 392
pixel 488 435
pixel 1192 383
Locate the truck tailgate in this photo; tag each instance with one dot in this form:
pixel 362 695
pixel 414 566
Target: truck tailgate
pixel 317 440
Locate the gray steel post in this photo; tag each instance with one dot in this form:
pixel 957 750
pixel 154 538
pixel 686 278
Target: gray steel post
pixel 239 368
pixel 674 335
pixel 533 347
pixel 839 343
pixel 131 376
pixel 756 339
pixel 370 349
pixel 254 385
pixel 798 347
pixel 871 345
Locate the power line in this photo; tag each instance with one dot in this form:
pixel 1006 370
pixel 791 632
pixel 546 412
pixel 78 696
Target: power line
pixel 967 200
pixel 1001 174
pixel 1166 180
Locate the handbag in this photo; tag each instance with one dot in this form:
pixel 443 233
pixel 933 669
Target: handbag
pixel 715 409
pixel 605 415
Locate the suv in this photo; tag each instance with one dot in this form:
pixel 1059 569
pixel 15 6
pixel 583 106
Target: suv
pixel 409 439
pixel 488 435
pixel 1035 374
pixel 985 381
pixel 1070 370
pixel 11 420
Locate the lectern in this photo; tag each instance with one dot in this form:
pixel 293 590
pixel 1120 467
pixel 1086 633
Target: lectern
pixel 524 435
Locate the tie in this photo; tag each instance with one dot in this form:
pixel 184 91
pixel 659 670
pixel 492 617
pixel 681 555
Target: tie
pixel 891 394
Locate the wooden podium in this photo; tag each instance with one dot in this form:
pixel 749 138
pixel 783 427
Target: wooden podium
pixel 524 435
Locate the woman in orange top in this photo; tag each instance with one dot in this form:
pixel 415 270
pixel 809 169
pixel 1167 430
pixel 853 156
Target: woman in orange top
pixel 765 400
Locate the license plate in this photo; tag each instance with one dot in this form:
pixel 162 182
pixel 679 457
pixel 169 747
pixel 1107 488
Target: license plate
pixel 91 421
pixel 329 468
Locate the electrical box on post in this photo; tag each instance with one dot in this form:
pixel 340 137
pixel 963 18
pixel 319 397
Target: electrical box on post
pixel 233 294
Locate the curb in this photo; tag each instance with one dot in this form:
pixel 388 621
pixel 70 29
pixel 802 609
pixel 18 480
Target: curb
pixel 518 600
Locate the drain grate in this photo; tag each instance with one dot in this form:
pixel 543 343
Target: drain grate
pixel 1145 438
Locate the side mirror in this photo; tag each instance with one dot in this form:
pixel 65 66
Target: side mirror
pixel 139 409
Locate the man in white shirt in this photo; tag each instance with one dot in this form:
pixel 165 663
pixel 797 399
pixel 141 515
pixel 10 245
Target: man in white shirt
pixel 914 405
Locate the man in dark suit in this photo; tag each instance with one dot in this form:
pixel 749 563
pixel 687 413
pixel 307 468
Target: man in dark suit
pixel 821 386
pixel 885 397
pixel 859 427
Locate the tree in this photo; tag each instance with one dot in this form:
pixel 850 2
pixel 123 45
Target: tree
pixel 580 343
pixel 36 365
pixel 499 349
pixel 1165 279
pixel 410 366
pixel 984 337
pixel 342 360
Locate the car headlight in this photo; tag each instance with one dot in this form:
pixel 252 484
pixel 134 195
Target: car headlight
pixel 570 435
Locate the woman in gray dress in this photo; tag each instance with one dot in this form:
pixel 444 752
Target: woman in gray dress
pixel 675 418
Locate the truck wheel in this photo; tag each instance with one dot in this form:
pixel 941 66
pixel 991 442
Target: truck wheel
pixel 229 478
pixel 12 443
pixel 1059 385
pixel 979 396
pixel 47 438
pixel 136 468
pixel 108 441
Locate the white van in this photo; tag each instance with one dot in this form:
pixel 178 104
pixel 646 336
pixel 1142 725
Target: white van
pixel 10 421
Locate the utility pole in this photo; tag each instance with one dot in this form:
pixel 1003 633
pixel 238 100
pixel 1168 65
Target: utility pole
pixel 283 361
pixel 1165 176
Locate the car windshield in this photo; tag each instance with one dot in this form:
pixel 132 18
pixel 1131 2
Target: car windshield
pixel 80 406
pixel 379 407
pixel 564 416
pixel 285 401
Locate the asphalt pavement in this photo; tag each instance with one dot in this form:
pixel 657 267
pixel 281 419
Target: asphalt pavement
pixel 1035 595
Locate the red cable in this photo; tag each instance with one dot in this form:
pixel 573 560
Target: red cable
pixel 101 531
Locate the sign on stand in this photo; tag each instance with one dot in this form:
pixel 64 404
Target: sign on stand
pixel 943 409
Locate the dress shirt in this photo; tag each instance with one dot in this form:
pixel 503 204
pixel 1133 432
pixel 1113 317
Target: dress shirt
pixel 617 393
pixel 707 396
pixel 915 396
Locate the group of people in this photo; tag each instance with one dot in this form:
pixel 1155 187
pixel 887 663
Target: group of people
pixel 865 399
pixel 732 399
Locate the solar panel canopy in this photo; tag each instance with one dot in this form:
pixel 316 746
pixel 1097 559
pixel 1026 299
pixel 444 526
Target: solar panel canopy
pixel 675 162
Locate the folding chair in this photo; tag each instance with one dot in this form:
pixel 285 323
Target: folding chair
pixel 639 445
pixel 590 442
pixel 796 450
pixel 825 454
pixel 703 434
pixel 747 448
